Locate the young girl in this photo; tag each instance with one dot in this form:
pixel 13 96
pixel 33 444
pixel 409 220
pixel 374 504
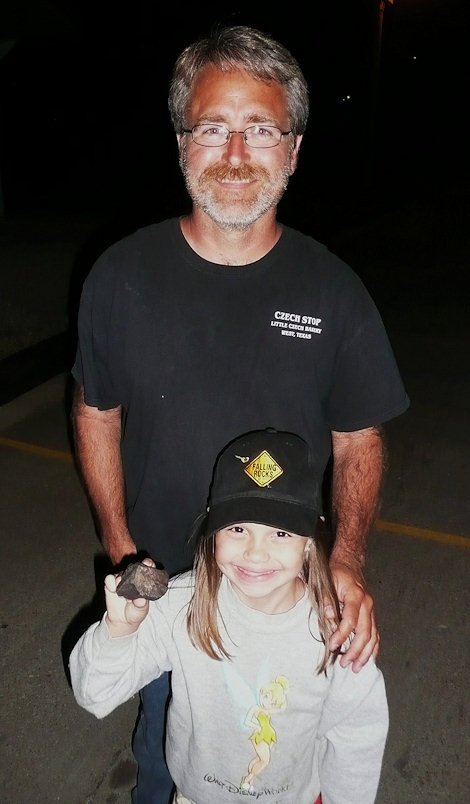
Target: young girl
pixel 260 708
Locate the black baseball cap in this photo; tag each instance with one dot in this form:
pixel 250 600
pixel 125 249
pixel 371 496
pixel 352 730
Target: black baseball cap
pixel 268 477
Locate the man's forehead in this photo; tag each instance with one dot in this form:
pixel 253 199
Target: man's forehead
pixel 223 93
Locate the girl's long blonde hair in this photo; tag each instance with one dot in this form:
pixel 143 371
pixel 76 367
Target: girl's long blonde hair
pixel 202 616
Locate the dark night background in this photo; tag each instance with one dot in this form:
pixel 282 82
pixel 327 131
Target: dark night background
pixel 85 129
pixel 85 124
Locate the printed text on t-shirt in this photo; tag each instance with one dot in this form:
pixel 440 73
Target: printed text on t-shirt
pixel 296 325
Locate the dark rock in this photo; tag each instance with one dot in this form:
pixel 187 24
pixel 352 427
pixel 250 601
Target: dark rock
pixel 140 580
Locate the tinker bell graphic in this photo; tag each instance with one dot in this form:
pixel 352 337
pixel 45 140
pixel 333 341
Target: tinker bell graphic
pixel 271 699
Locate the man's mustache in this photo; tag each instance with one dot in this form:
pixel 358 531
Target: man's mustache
pixel 230 173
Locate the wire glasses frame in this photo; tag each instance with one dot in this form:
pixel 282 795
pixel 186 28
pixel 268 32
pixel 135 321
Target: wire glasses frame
pixel 214 135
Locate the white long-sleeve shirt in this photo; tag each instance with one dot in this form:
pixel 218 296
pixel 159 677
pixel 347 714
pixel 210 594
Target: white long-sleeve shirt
pixel 314 733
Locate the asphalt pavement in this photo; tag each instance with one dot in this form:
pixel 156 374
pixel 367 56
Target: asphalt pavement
pixel 418 564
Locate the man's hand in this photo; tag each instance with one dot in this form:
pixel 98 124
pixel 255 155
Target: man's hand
pixel 357 617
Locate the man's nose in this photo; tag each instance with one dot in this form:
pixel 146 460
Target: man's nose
pixel 236 148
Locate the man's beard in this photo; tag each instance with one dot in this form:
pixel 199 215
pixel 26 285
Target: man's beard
pixel 236 214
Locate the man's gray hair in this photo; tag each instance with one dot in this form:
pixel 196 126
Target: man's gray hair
pixel 234 48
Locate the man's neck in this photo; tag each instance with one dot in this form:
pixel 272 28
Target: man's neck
pixel 230 247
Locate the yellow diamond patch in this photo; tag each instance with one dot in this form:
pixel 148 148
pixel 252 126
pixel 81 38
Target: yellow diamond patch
pixel 263 469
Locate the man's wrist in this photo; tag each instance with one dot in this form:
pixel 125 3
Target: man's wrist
pixel 118 544
pixel 341 557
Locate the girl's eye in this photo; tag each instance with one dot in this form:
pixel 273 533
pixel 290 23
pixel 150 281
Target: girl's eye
pixel 282 534
pixel 236 529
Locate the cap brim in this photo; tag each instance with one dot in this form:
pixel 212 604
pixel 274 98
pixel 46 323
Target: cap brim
pixel 277 513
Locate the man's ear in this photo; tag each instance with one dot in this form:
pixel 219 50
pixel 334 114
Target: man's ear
pixel 295 153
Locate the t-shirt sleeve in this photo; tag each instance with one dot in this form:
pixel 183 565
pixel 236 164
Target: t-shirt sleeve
pixel 367 388
pixel 353 732
pixel 95 355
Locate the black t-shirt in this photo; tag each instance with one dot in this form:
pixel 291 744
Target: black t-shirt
pixel 198 353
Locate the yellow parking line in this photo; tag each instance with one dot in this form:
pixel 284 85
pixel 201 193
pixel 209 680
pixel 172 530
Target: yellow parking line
pixel 380 524
pixel 422 533
pixel 57 454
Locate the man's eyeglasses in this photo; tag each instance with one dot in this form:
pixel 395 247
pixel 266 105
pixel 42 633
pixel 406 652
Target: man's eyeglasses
pixel 214 135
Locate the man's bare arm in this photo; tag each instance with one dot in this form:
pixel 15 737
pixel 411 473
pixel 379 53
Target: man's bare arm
pixel 97 436
pixel 358 468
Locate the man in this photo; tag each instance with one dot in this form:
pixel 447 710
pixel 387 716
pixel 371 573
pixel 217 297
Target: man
pixel 223 322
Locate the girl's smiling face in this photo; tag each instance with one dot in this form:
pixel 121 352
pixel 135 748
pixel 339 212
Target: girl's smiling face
pixel 263 564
